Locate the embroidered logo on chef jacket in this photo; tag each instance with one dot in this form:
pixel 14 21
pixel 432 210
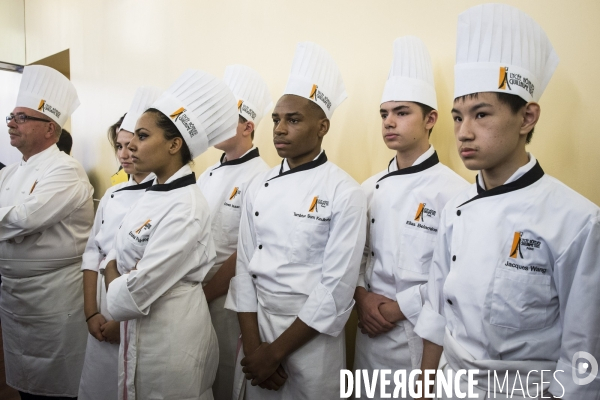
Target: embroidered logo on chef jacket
pixel 234 193
pixel 316 94
pixel 419 221
pixel 44 106
pixel 314 205
pixel 520 244
pixel 138 235
pixel 422 211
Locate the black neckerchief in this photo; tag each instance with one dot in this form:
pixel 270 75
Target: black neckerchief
pixel 139 186
pixel 528 178
pixel 176 184
pixel 413 169
pixel 247 157
pixel 322 159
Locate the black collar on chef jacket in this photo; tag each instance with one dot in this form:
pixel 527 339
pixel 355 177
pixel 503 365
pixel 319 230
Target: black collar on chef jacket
pixel 143 185
pixel 247 157
pixel 528 178
pixel 413 169
pixel 322 159
pixel 176 184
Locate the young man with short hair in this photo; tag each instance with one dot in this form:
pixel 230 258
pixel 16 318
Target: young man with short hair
pixel 404 206
pixel 223 185
pixel 516 269
pixel 301 239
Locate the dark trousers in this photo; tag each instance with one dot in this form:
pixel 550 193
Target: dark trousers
pixel 29 396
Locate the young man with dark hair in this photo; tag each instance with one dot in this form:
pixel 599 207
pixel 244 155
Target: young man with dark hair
pixel 223 185
pixel 404 206
pixel 516 268
pixel 301 239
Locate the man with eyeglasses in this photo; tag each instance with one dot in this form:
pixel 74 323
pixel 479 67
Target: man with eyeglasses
pixel 46 214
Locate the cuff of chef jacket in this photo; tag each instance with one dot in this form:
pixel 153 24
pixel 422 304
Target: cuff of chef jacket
pixel 121 305
pixel 431 326
pixel 242 294
pixel 90 261
pixel 112 255
pixel 563 384
pixel 410 303
pixel 320 312
pixel 361 281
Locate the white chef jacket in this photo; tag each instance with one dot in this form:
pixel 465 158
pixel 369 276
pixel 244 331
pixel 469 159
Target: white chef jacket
pixel 46 213
pixel 99 378
pixel 183 242
pixel 403 215
pixel 109 215
pixel 168 347
pixel 302 232
pixel 515 275
pixel 223 186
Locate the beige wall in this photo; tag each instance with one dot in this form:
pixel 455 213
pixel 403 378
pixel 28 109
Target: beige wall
pixel 12 31
pixel 116 46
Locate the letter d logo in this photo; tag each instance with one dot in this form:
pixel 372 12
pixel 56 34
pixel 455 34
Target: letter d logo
pixel 581 367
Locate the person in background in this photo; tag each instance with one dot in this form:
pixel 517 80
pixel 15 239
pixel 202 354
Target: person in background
pixel 65 142
pixel 405 202
pixel 46 214
pixel 164 249
pixel 513 289
pixel 301 239
pixel 223 185
pixel 99 378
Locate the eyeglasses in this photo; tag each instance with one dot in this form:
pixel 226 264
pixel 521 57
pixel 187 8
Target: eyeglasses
pixel 21 118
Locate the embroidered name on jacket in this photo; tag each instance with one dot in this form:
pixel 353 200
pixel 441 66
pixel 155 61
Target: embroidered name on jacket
pixel 419 219
pixel 516 252
pixel 234 193
pixel 136 234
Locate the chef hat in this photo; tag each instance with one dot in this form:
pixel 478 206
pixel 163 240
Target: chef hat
pixel 144 97
pixel 411 74
pixel 203 109
pixel 315 76
pixel 251 92
pixel 48 91
pixel 501 49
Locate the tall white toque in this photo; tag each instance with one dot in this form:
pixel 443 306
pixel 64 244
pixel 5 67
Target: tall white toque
pixel 203 109
pixel 143 98
pixel 46 90
pixel 501 49
pixel 250 90
pixel 315 76
pixel 411 74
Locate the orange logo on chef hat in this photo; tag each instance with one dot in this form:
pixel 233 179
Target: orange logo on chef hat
pixel 313 93
pixel 515 249
pixel 503 79
pixel 41 106
pixel 177 114
pixel 240 102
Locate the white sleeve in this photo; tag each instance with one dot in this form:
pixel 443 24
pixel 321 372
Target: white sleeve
pixel 577 276
pixel 365 258
pixel 431 323
pixel 92 256
pixel 242 292
pixel 328 306
pixel 60 191
pixel 167 259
